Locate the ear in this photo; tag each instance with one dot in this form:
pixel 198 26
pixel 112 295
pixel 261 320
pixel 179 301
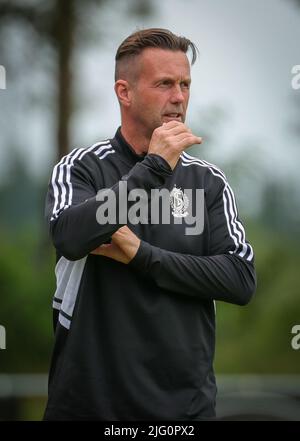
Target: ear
pixel 123 92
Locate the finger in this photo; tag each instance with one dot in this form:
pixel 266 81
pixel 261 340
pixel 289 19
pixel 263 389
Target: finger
pixel 102 249
pixel 119 234
pixel 181 128
pixel 185 135
pixel 122 229
pixel 110 251
pixel 188 141
pixel 170 124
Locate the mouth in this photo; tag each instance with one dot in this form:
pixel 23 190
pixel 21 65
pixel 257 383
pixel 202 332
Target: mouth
pixel 173 116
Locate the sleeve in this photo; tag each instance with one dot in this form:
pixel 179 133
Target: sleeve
pixel 226 274
pixel 72 202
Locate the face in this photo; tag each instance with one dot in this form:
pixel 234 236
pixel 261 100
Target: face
pixel 161 91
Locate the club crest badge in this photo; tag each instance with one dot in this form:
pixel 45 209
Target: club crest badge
pixel 179 202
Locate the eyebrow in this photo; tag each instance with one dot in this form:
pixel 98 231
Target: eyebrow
pixel 187 79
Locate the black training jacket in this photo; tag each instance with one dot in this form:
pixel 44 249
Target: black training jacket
pixel 136 341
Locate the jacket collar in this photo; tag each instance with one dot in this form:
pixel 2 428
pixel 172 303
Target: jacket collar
pixel 122 146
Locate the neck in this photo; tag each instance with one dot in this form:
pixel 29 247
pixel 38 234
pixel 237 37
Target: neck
pixel 137 140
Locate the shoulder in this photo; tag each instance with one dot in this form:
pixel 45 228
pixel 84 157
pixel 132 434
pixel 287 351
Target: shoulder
pixel 85 155
pixel 99 149
pixel 212 172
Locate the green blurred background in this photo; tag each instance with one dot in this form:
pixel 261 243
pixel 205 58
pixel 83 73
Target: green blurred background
pixel 59 61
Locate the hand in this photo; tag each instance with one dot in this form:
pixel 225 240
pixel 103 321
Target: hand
pixel 170 139
pixel 123 247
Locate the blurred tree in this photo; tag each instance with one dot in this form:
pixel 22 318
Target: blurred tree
pixel 56 23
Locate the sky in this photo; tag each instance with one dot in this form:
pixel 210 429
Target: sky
pixel 247 50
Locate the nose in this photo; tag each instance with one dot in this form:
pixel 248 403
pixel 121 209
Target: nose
pixel 177 95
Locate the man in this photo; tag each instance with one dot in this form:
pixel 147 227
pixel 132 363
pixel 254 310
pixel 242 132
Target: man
pixel 134 306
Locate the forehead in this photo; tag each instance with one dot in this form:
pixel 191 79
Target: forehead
pixel 155 63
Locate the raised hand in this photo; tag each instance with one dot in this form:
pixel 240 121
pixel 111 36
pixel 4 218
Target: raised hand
pixel 170 139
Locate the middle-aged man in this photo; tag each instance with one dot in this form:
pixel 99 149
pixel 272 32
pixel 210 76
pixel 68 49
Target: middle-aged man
pixel 147 237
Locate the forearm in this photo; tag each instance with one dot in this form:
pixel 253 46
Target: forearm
pixel 77 230
pixel 223 277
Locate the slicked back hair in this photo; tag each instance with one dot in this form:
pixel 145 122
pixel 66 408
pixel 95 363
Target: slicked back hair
pixel 159 38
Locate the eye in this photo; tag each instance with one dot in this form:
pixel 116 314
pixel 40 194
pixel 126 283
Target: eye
pixel 165 83
pixel 185 85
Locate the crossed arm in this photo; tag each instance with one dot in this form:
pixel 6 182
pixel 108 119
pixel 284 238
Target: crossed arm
pixel 225 277
pixel 227 274
pixel 123 247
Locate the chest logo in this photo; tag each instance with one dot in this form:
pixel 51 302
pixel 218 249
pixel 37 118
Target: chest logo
pixel 179 202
